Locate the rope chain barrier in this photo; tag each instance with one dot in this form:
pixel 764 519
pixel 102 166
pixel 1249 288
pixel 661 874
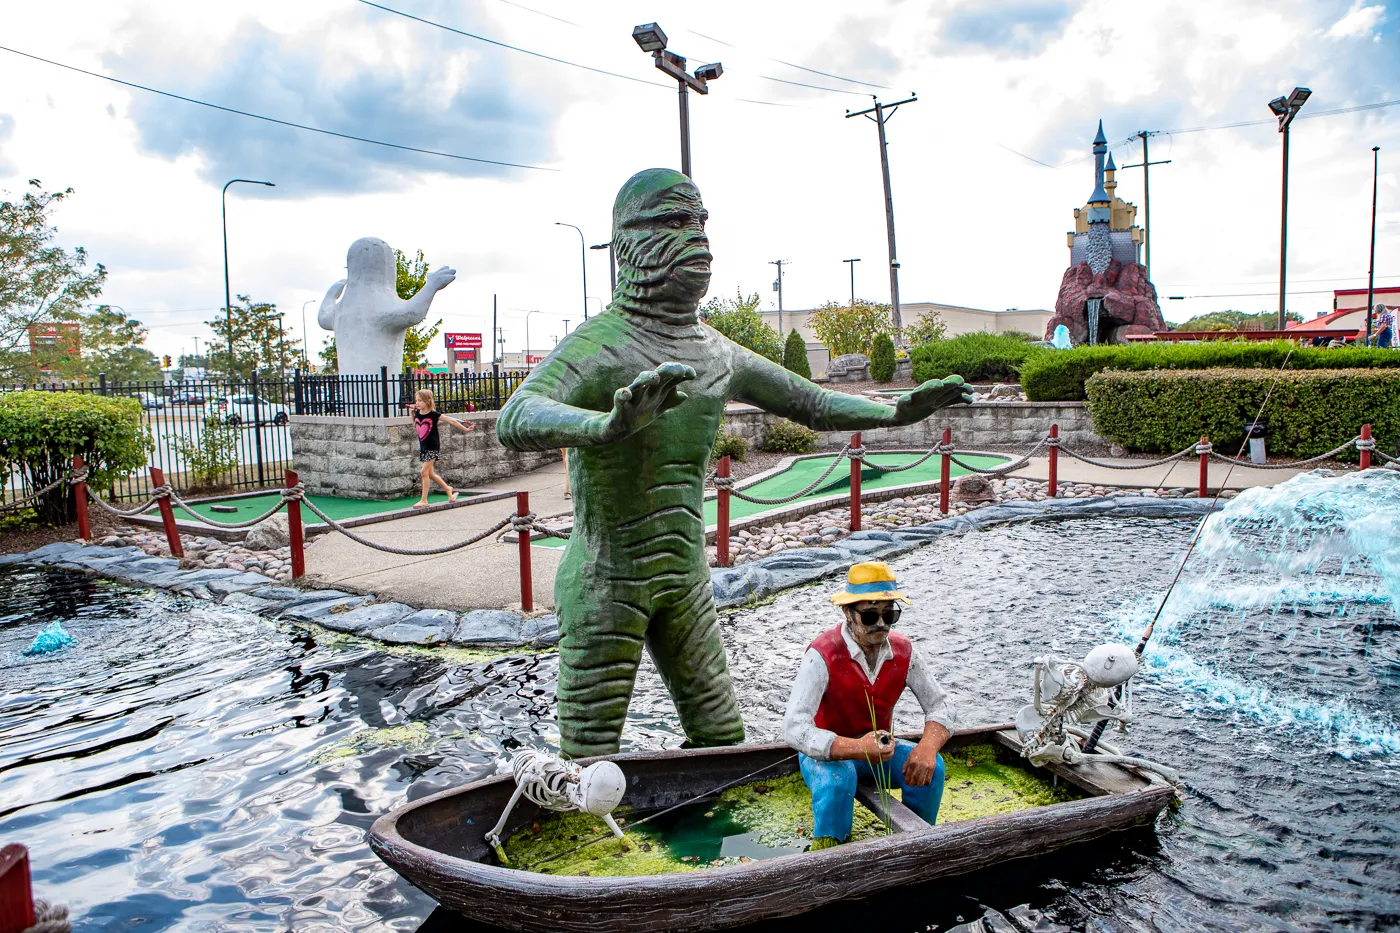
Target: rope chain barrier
pixel 388 548
pixel 531 523
pixel 727 482
pixel 1292 463
pixel 185 507
pixel 34 496
pixel 936 449
pixel 1183 454
pixel 160 492
pixel 49 918
pixel 1007 468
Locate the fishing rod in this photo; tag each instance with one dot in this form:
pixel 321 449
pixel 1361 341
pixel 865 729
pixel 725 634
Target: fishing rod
pixel 1092 742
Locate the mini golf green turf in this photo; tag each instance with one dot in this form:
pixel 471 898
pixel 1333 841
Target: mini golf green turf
pixel 336 508
pixel 801 474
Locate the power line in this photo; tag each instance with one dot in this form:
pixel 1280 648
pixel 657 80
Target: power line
pixel 513 48
pixel 815 87
pixel 521 6
pixel 258 116
pixel 824 74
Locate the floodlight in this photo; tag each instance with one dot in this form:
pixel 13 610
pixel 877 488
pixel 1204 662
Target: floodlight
pixel 650 37
pixel 1279 105
pixel 1298 97
pixel 709 72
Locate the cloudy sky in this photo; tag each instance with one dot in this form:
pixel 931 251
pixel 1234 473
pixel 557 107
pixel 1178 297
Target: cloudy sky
pixel 987 166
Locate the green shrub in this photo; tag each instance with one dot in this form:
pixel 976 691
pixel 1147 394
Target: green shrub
pixel 729 445
pixel 850 328
pixel 928 328
pixel 738 319
pixel 795 356
pixel 788 438
pixel 882 358
pixel 1060 375
pixel 1309 413
pixel 41 431
pixel 975 357
pixel 212 454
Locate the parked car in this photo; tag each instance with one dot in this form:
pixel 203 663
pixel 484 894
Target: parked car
pixel 149 400
pixel 240 410
pixel 186 397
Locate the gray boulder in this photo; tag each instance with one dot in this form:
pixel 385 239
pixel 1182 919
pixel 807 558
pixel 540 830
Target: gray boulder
pixel 363 619
pixel 404 633
pixel 269 535
pixel 489 627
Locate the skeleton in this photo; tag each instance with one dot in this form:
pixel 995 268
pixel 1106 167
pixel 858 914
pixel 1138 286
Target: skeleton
pixel 553 784
pixel 1071 694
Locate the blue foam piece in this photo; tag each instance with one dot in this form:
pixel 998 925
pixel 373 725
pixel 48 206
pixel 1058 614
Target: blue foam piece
pixel 52 638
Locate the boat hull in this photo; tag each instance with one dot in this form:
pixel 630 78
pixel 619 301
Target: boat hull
pixel 431 843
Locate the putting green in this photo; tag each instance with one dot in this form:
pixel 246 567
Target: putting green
pixel 336 508
pixel 801 474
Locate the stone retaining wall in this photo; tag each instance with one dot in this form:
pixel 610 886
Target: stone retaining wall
pixel 377 458
pixel 974 426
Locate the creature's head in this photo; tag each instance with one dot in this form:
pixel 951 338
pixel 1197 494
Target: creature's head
pixel 370 263
pixel 663 255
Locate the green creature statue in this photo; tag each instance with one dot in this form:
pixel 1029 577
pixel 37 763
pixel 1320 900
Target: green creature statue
pixel 638 392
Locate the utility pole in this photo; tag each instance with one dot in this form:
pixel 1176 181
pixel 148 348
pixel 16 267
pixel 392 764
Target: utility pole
pixel 1147 198
pixel 1371 274
pixel 882 114
pixel 650 38
pixel 852 264
pixel 778 287
pixel 1285 108
pixel 495 332
pixel 566 327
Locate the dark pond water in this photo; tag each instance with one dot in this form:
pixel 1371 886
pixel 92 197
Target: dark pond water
pixel 189 768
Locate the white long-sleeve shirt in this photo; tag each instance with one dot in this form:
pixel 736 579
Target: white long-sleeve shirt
pixel 799 724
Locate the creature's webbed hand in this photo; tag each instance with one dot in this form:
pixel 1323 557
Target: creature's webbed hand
pixel 440 278
pixel 929 397
pixel 651 394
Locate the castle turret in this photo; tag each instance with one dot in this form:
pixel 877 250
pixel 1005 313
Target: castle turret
pixel 1110 184
pixel 1119 237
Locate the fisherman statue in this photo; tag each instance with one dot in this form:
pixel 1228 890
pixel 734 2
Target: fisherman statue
pixel 638 392
pixel 839 714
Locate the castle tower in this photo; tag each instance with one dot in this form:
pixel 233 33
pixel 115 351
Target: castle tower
pixel 1119 237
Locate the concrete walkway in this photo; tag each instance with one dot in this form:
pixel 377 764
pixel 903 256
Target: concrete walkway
pixel 483 576
pixel 487 575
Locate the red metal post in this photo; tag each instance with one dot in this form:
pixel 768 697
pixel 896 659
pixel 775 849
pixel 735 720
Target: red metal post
pixel 1205 468
pixel 167 515
pixel 527 586
pixel 1054 460
pixel 80 502
pixel 855 485
pixel 16 895
pixel 722 515
pixel 947 479
pixel 294 528
pixel 1366 454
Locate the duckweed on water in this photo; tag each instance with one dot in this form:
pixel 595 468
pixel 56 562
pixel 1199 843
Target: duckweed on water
pixel 411 737
pixel 777 812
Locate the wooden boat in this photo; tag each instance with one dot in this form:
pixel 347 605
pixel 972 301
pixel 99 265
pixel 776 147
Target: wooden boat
pixel 437 844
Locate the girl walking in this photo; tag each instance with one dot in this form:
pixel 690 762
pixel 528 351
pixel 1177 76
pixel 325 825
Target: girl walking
pixel 425 421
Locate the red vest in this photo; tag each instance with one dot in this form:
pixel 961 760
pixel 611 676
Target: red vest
pixel 846 706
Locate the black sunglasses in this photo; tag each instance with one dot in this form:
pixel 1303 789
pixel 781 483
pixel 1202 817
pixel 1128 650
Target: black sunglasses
pixel 888 616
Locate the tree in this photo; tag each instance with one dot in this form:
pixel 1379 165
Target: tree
pixel 39 282
pixel 410 276
pixel 738 319
pixel 1236 320
pixel 329 360
pixel 928 328
pixel 259 342
pixel 113 345
pixel 882 362
pixel 795 355
pixel 416 343
pixel 850 328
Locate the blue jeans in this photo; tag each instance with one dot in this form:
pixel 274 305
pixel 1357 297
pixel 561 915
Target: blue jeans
pixel 833 787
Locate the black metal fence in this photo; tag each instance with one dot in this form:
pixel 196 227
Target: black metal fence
pixel 251 417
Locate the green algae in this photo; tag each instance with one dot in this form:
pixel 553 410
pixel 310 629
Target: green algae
pixel 979 780
pixel 411 737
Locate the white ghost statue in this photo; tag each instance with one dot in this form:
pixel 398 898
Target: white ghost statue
pixel 366 313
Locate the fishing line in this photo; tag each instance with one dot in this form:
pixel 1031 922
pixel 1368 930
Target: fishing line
pixel 1094 736
pixel 683 803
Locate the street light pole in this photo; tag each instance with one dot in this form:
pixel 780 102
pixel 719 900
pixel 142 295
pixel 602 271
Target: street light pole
pixel 583 253
pixel 778 287
pixel 305 362
pixel 1371 273
pixel 612 264
pixel 852 264
pixel 1285 108
pixel 882 114
pixel 651 39
pixel 527 336
pixel 228 300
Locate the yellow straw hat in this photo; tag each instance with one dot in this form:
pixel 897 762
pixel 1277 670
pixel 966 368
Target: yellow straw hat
pixel 870 580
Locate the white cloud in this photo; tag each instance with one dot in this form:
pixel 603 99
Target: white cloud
pixel 1358 21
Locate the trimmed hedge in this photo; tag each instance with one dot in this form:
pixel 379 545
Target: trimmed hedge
pixel 1309 413
pixel 882 358
pixel 1060 375
pixel 975 357
pixel 41 431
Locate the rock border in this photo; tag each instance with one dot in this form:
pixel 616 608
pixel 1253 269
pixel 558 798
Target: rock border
pixel 770 575
pixel 353 614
